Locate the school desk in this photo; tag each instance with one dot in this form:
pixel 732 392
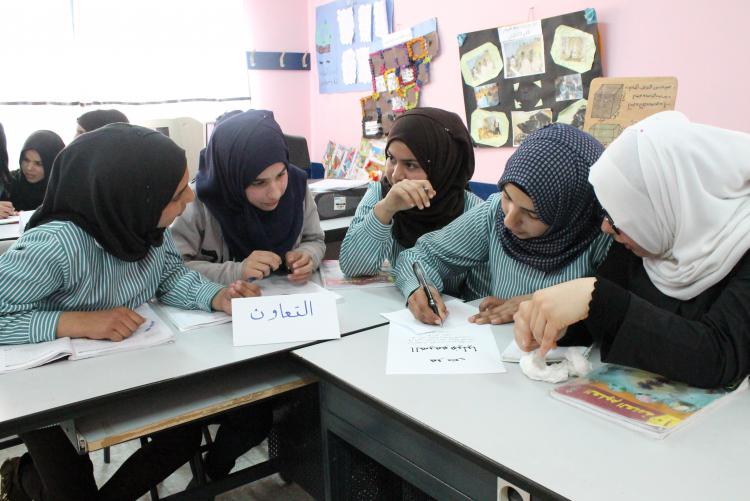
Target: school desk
pixel 462 436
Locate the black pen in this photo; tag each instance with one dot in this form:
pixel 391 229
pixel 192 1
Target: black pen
pixel 417 268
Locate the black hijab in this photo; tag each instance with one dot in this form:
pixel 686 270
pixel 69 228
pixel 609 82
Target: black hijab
pixel 552 167
pixel 443 148
pixel 4 172
pixel 240 148
pixel 114 183
pixel 26 195
pixel 92 120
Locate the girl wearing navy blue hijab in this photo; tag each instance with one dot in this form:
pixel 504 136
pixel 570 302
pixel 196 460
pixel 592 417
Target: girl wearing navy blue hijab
pixel 253 211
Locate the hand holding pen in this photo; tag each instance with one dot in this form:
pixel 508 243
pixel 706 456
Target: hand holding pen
pixel 425 302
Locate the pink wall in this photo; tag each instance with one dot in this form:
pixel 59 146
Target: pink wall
pixel 275 26
pixel 701 43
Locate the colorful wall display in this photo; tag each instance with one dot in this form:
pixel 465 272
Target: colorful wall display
pixel 345 31
pixel 519 78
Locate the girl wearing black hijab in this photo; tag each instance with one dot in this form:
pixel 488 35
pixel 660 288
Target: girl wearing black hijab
pixel 92 120
pixel 91 223
pixel 430 160
pixel 6 207
pixel 29 183
pixel 253 214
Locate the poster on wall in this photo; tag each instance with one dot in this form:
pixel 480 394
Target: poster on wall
pixel 617 103
pixel 344 33
pixel 519 78
pixel 399 71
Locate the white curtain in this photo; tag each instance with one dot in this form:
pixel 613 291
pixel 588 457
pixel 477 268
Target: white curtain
pixel 122 51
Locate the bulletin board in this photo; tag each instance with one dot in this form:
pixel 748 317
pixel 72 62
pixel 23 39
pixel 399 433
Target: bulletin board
pixel 519 78
pixel 344 33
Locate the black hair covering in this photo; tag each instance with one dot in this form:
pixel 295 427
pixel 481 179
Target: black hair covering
pixel 26 195
pixel 442 146
pixel 4 172
pixel 552 167
pixel 92 120
pixel 114 184
pixel 242 147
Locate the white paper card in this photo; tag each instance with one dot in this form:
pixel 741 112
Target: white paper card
pixel 186 320
pixel 364 21
pixel 397 37
pixel 458 317
pixel 452 351
pixel 280 285
pixel 380 18
pixel 284 319
pixel 345 19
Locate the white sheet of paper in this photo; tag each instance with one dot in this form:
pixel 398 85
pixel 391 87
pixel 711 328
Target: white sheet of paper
pixel 186 320
pixel 349 66
pixel 24 356
pixel 364 75
pixel 513 353
pixel 380 18
pixel 337 184
pixel 280 285
pixel 397 37
pixel 345 19
pixel 152 332
pixel 451 351
pixel 284 319
pixel 10 220
pixel 458 314
pixel 364 21
pixel 23 220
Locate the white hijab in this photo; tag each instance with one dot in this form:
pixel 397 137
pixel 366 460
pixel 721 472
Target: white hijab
pixel 682 192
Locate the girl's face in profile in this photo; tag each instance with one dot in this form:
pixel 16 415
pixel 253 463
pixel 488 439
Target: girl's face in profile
pixel 622 238
pixel 521 217
pixel 32 167
pixel 266 190
pixel 183 195
pixel 401 164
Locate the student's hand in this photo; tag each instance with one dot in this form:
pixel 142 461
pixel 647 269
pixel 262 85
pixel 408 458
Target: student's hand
pixel 300 265
pixel 493 310
pixel 113 325
pixel 421 310
pixel 404 195
pixel 7 210
pixel 543 320
pixel 222 301
pixel 260 264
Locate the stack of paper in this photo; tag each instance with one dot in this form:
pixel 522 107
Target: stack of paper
pixel 280 285
pixel 337 184
pixel 458 347
pixel 186 320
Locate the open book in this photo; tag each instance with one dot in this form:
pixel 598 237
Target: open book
pixel 25 356
pixel 334 278
pixel 641 400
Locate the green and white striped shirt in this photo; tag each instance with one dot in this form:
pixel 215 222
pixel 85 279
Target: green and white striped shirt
pixel 472 240
pixel 58 267
pixel 369 242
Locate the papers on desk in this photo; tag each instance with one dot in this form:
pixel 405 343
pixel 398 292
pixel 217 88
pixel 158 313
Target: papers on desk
pixel 280 285
pixel 10 220
pixel 458 347
pixel 333 278
pixel 186 320
pixel 284 319
pixel 152 332
pixel 23 219
pixel 513 353
pixel 336 184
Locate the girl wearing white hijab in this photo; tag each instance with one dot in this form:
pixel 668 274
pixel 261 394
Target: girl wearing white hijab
pixel 677 196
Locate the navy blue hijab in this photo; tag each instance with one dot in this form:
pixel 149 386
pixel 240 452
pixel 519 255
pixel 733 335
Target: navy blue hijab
pixel 240 148
pixel 552 167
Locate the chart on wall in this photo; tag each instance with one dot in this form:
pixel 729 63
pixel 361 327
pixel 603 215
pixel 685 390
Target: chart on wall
pixel 521 77
pixel 344 32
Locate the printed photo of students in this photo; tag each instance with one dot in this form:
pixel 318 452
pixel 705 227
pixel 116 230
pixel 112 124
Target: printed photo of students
pixel 253 212
pixel 429 162
pixel 673 296
pixel 91 254
pixel 29 183
pixel 541 229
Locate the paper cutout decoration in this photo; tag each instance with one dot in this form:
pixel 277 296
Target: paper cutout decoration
pixel 345 30
pixel 530 73
pixel 616 103
pixel 278 60
pixel 398 75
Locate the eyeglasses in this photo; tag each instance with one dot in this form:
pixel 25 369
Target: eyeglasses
pixel 608 218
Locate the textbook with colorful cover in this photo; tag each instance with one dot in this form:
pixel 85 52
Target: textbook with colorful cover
pixel 25 356
pixel 641 400
pixel 334 278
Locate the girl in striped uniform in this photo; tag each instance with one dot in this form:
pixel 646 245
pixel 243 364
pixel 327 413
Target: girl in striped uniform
pixel 94 250
pixel 542 229
pixel 429 162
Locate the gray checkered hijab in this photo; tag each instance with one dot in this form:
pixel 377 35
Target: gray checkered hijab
pixel 552 167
